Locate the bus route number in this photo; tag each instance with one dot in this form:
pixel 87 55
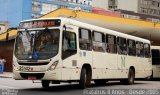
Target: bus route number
pixel 25 68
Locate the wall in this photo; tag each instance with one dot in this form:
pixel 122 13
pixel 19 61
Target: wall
pixel 130 5
pixel 6 50
pixel 100 4
pixel 150 7
pixel 26 9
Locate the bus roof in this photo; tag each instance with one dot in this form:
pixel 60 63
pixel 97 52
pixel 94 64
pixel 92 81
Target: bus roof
pixel 74 22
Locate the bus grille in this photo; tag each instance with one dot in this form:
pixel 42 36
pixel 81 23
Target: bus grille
pixel 33 64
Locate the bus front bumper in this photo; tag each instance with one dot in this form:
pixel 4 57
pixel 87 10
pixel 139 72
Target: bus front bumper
pixel 47 75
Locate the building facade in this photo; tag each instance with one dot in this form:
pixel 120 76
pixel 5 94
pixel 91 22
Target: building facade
pixel 135 9
pixel 128 5
pixel 105 4
pixel 140 9
pixel 14 11
pixel 151 7
pixel 148 7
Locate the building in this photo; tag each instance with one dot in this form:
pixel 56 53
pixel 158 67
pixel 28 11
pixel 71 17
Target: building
pixel 106 12
pixel 136 9
pixel 105 4
pixel 148 7
pixel 139 16
pixel 14 11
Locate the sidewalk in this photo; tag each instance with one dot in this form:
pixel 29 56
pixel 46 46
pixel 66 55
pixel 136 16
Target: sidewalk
pixel 6 75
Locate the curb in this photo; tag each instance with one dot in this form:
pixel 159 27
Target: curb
pixel 5 77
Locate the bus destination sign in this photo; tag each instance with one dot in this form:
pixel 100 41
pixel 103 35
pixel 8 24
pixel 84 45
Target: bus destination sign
pixel 39 24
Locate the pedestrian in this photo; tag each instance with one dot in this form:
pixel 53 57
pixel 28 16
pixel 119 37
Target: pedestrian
pixel 2 60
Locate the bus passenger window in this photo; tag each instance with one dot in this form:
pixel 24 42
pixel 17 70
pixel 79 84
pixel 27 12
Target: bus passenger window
pixel 131 47
pixel 122 46
pixel 85 42
pixel 147 50
pixel 98 42
pixel 69 44
pixel 139 49
pixel 111 46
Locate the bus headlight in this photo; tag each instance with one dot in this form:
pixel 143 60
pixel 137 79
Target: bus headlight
pixel 53 66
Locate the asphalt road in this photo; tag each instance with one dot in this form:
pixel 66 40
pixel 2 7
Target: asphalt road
pixel 10 86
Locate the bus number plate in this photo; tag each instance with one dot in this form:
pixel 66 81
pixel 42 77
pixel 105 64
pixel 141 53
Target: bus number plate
pixel 25 68
pixel 32 78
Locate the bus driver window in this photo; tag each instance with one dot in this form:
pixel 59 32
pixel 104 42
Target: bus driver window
pixel 69 44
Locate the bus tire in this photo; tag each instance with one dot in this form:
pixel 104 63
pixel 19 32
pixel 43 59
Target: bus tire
pixel 45 83
pixel 150 77
pixel 130 79
pixel 131 76
pixel 85 79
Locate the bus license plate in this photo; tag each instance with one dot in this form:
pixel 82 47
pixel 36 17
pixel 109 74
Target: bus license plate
pixel 32 78
pixel 25 68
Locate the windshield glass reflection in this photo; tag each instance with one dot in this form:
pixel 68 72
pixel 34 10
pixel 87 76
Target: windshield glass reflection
pixel 37 45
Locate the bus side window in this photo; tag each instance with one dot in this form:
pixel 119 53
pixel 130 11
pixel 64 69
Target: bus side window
pixel 85 42
pixel 147 50
pixel 69 46
pixel 111 44
pixel 98 41
pixel 131 47
pixel 122 46
pixel 139 49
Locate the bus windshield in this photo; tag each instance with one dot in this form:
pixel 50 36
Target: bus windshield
pixel 37 45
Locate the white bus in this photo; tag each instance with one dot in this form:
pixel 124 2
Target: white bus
pixel 155 61
pixel 65 50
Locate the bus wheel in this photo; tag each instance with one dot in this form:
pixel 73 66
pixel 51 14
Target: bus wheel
pixel 131 76
pixel 85 79
pixel 130 80
pixel 45 83
pixel 150 77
